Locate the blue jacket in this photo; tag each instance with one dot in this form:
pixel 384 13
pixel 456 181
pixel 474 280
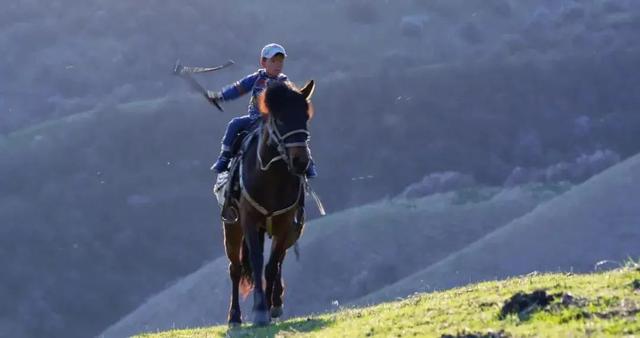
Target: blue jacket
pixel 254 83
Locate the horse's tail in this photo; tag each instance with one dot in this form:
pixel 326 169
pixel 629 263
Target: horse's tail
pixel 246 273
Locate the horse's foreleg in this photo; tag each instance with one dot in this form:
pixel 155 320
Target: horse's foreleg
pixel 269 275
pixel 278 289
pixel 233 244
pixel 272 277
pixel 256 248
pixel 235 316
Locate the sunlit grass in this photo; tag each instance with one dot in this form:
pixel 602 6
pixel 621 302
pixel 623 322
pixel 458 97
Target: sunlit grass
pixel 609 306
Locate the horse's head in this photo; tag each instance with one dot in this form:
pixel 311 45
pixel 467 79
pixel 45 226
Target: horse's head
pixel 288 111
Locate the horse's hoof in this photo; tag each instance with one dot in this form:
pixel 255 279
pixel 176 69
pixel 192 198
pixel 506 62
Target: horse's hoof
pixel 276 312
pixel 234 319
pixel 261 318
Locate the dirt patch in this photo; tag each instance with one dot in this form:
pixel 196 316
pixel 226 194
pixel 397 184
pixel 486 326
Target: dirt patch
pixel 626 308
pixel 636 285
pixel 567 299
pixel 523 304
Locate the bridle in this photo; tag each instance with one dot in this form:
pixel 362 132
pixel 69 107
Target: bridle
pixel 281 144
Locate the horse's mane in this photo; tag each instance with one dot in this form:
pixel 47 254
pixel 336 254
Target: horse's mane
pixel 283 99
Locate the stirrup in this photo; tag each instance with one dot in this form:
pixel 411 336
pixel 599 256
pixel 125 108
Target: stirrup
pixel 229 213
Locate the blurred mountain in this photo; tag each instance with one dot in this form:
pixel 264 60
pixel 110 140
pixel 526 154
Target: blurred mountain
pixel 104 155
pixel 593 223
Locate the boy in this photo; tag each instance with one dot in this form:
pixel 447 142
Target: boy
pixel 272 61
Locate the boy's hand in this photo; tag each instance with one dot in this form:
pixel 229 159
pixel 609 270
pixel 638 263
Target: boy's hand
pixel 214 97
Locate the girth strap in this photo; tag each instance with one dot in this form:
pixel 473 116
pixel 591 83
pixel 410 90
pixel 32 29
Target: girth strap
pixel 268 214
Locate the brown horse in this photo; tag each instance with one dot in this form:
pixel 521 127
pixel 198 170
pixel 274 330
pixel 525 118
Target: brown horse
pixel 272 168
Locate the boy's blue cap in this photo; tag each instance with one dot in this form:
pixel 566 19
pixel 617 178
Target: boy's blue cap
pixel 271 50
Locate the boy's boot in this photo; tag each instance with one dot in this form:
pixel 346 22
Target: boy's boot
pixel 311 170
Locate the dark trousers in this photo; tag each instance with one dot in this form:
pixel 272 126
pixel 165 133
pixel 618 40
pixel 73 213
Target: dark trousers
pixel 236 125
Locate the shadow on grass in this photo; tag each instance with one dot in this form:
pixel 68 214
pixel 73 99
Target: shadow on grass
pixel 291 326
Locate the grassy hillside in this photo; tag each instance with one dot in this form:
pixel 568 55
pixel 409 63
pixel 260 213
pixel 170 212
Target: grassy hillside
pixel 348 255
pixel 600 304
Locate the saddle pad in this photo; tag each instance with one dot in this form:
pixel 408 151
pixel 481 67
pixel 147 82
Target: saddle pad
pixel 221 186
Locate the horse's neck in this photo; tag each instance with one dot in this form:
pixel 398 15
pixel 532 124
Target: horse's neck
pixel 274 185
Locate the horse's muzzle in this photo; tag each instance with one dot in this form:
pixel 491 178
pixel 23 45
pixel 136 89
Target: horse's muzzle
pixel 299 163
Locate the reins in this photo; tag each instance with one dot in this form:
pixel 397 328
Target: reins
pixel 281 144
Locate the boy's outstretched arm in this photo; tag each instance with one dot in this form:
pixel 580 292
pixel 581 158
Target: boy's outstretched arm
pixel 235 90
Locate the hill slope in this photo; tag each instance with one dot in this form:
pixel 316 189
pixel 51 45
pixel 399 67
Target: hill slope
pixel 87 200
pixel 606 304
pixel 597 220
pixel 594 221
pixel 347 255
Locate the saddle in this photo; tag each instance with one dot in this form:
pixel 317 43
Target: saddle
pixel 227 188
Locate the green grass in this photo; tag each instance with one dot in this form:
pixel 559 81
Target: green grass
pixel 607 304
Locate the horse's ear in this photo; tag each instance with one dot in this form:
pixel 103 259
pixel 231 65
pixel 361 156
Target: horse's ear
pixel 307 90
